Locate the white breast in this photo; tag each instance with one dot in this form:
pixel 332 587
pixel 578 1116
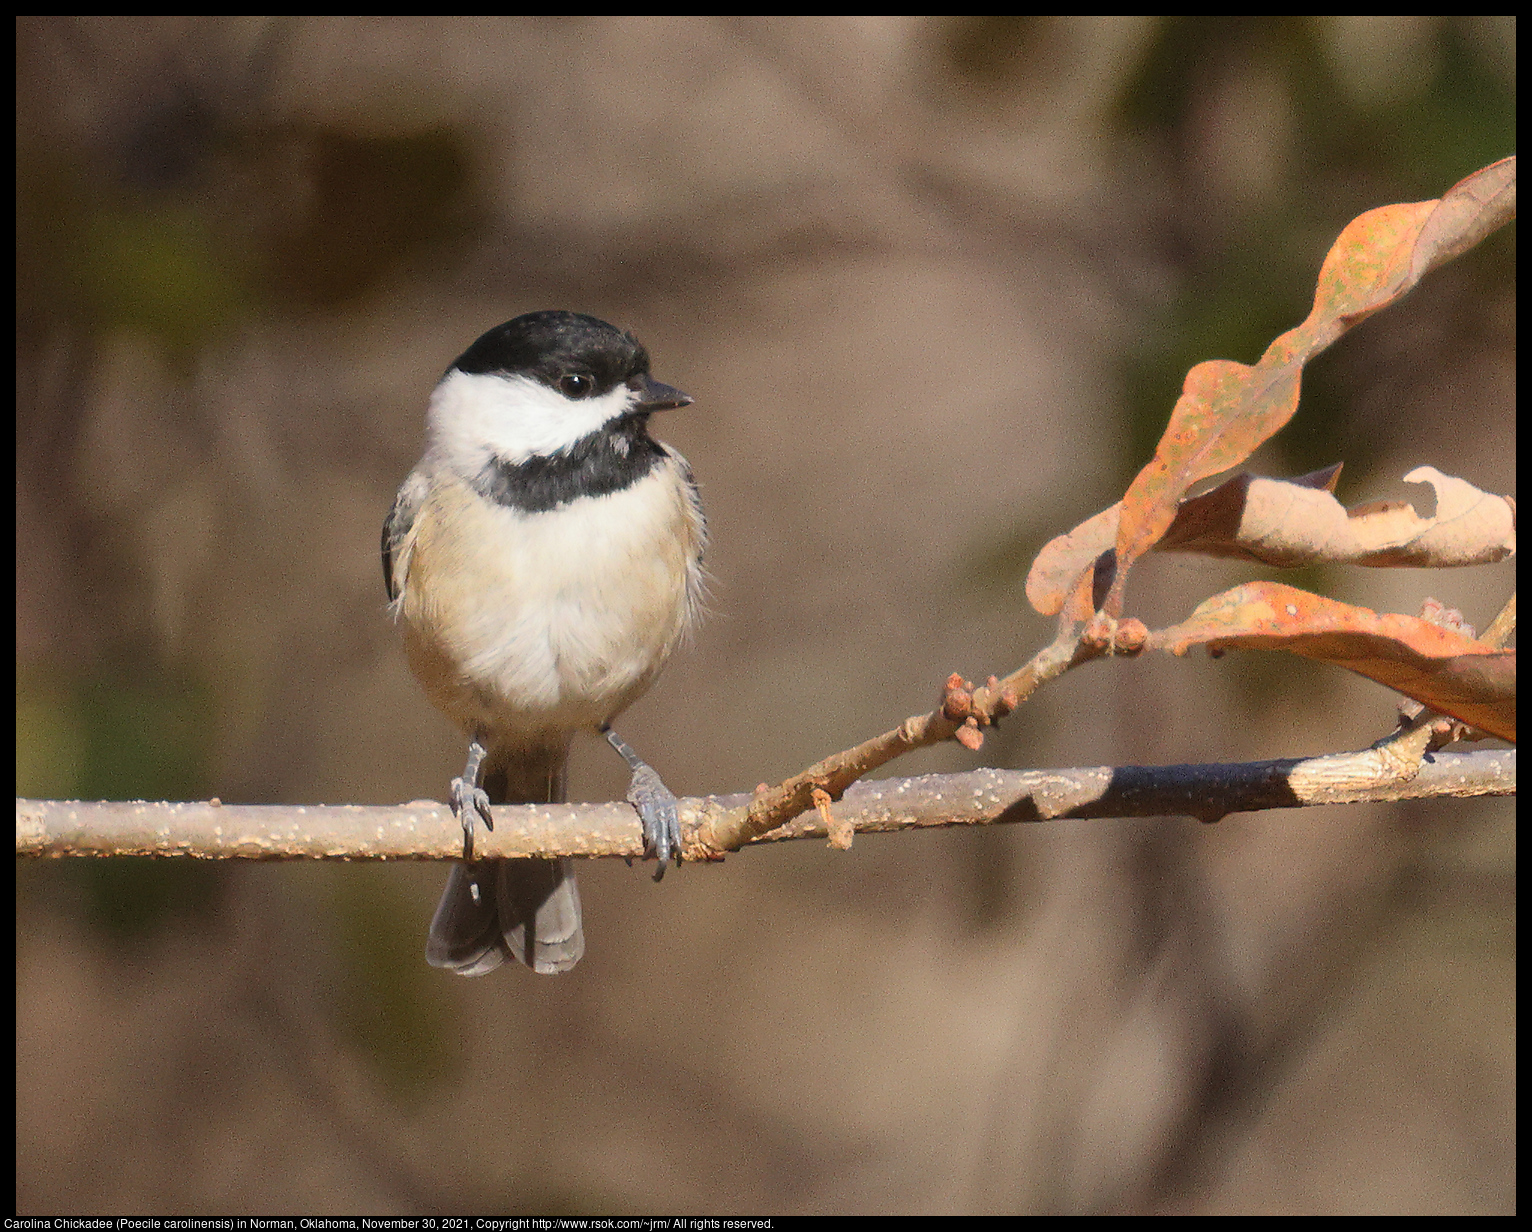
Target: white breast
pixel 525 622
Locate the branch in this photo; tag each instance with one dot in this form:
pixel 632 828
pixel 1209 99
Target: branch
pixel 426 830
pixel 964 710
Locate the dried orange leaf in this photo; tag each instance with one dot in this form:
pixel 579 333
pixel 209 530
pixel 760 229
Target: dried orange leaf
pixel 1292 522
pixel 1059 565
pixel 1227 409
pixel 1199 520
pixel 1438 667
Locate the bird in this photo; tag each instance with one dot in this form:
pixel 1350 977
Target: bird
pixel 542 560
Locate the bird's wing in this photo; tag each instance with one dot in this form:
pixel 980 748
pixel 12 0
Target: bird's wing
pixel 397 539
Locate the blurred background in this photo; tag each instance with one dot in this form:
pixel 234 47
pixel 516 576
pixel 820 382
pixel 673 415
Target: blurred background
pixel 934 283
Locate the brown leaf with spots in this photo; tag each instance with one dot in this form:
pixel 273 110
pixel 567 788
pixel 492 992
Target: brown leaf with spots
pixel 1438 667
pixel 1228 409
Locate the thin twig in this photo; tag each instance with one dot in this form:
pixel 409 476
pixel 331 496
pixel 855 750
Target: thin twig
pixel 834 774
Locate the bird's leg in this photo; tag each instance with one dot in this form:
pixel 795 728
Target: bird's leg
pixel 469 800
pixel 655 803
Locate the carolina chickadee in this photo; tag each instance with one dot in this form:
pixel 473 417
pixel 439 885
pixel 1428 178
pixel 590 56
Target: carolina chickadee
pixel 544 559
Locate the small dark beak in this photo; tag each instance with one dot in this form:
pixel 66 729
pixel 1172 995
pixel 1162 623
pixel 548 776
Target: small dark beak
pixel 652 396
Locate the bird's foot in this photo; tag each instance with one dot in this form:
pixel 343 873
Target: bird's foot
pixel 469 805
pixel 656 806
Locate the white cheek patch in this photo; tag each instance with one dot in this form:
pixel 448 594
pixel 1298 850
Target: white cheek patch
pixel 475 415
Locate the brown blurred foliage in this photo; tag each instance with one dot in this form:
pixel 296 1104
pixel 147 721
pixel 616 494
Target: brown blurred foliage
pixel 934 284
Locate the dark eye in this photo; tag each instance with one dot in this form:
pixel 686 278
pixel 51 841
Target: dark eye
pixel 577 385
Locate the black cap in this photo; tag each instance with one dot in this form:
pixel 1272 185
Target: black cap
pixel 556 347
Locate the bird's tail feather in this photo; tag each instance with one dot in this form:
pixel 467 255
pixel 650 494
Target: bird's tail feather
pixel 528 910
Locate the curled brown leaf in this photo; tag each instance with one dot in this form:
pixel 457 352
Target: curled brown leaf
pixel 1290 523
pixel 1227 409
pixel 1438 667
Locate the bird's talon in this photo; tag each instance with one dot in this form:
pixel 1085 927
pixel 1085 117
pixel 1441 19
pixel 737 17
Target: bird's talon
pixel 467 803
pixel 656 807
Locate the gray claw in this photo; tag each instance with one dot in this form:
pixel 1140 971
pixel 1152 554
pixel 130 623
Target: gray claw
pixel 467 803
pixel 656 807
pixel 655 804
